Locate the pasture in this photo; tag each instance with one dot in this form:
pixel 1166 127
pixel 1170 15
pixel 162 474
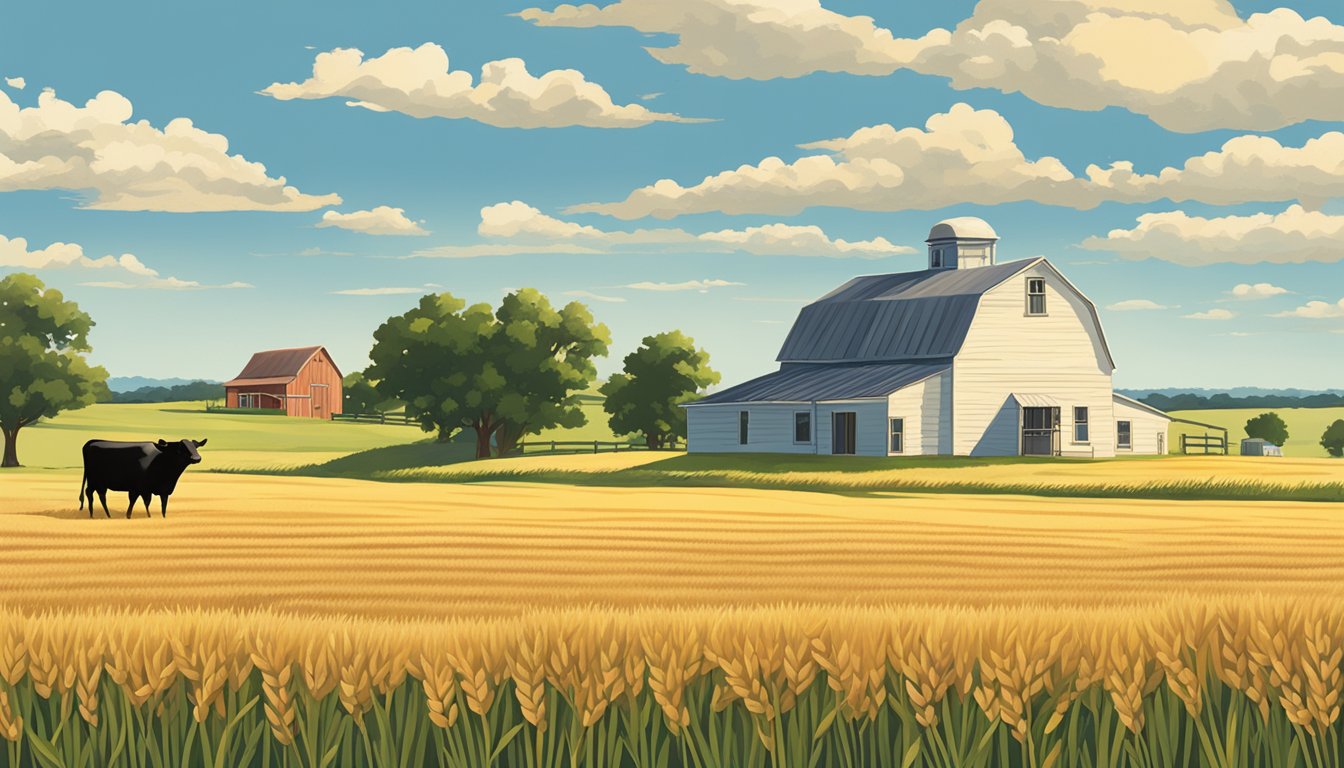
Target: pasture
pixel 1305 426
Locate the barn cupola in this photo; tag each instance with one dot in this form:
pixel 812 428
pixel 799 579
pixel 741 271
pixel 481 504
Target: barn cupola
pixel 961 243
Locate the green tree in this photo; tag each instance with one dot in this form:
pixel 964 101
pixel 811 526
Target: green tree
pixel 1268 426
pixel 546 358
pixel 42 370
pixel 1332 440
pixel 361 396
pixel 664 373
pixel 457 366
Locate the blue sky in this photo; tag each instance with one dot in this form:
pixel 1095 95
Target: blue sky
pixel 173 61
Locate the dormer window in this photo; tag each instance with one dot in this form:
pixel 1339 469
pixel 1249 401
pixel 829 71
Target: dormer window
pixel 1036 296
pixel 936 259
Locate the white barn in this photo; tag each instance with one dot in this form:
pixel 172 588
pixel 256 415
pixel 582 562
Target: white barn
pixel 969 357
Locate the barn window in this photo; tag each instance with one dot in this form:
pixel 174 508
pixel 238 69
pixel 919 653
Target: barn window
pixel 244 401
pixel 1080 434
pixel 1035 296
pixel 1123 435
pixel 936 262
pixel 802 427
pixel 898 435
pixel 743 419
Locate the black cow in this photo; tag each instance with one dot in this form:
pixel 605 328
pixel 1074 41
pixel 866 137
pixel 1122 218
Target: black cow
pixel 140 469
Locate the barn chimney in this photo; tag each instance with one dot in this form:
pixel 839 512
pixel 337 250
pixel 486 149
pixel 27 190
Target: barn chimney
pixel 961 243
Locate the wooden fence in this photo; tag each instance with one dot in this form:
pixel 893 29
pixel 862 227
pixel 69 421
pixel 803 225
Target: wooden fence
pixel 376 418
pixel 1203 444
pixel 584 446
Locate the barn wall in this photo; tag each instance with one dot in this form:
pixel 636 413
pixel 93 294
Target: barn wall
pixel 231 394
pixel 713 428
pixel 1148 430
pixel 925 406
pixel 321 381
pixel 1060 355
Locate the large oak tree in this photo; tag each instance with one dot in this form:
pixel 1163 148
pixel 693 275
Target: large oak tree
pixel 42 370
pixel 504 374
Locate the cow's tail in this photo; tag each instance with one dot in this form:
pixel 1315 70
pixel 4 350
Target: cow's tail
pixel 82 482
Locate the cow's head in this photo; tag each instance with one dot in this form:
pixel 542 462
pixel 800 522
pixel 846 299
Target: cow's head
pixel 185 450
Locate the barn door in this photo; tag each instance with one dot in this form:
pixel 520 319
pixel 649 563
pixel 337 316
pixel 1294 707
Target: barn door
pixel 1040 431
pixel 318 398
pixel 843 425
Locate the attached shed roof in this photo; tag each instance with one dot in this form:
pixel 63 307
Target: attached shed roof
pixel 275 366
pixel 808 383
pixel 903 316
pixel 1140 405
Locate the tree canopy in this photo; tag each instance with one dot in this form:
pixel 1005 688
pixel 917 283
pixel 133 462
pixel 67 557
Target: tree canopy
pixel 361 396
pixel 1332 440
pixel 504 374
pixel 42 368
pixel 665 372
pixel 1268 426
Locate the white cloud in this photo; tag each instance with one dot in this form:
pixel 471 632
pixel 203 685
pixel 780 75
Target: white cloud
pixel 1316 310
pixel 1212 314
pixel 17 83
pixel 1136 305
pixel 133 166
pixel 382 220
pixel 380 291
pixel 15 253
pixel 595 297
pixel 524 229
pixel 702 286
pixel 419 83
pixel 967 155
pixel 1294 236
pixel 650 96
pixel 481 250
pixel 1190 66
pixel 1256 291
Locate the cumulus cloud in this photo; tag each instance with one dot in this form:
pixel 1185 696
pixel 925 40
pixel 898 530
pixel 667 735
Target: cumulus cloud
pixel 133 273
pixel 418 82
pixel 1316 310
pixel 702 286
pixel 595 297
pixel 1135 305
pixel 381 291
pixel 1191 66
pixel 967 155
pixel 1256 291
pixel 382 220
pixel 1294 236
pixel 521 228
pixel 1212 314
pixel 17 83
pixel 133 166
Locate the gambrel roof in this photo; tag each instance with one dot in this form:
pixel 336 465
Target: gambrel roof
pixel 903 317
pixel 275 366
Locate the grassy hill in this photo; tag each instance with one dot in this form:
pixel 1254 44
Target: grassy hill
pixel 1305 426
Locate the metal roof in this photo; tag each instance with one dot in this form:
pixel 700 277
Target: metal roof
pixel 808 383
pixel 909 315
pixel 279 366
pixel 1139 404
pixel 1035 401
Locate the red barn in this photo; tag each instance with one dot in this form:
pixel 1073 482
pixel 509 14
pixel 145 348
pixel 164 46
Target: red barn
pixel 302 382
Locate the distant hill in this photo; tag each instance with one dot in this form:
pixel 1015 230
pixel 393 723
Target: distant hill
pixel 1141 392
pixel 1196 400
pixel 192 390
pixel 132 383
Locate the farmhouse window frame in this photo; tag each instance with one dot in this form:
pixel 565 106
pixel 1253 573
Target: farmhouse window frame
pixel 743 427
pixel 1036 297
pixel 1081 431
pixel 802 427
pixel 897 431
pixel 1124 435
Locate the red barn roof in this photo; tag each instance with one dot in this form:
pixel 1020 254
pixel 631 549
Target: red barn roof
pixel 276 366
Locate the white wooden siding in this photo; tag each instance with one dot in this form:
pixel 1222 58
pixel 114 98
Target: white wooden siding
pixel 925 407
pixel 713 428
pixel 1148 431
pixel 1059 355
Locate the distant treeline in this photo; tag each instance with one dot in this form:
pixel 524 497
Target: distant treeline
pixel 196 390
pixel 1192 402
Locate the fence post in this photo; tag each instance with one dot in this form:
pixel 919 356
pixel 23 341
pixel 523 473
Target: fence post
pixel 594 446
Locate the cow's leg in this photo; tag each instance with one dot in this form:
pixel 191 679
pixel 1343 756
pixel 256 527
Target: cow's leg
pixel 102 499
pixel 146 500
pixel 131 508
pixel 163 505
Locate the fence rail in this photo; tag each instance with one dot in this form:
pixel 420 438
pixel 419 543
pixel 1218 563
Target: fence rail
pixel 376 418
pixel 1203 444
pixel 585 446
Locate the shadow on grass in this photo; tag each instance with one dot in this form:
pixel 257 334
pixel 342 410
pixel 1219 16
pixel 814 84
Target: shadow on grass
pixel 376 462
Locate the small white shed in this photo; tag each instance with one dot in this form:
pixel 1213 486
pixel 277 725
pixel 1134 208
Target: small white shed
pixel 1255 446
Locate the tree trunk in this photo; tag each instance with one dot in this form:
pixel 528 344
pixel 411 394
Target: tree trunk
pixel 484 431
pixel 506 438
pixel 653 441
pixel 11 447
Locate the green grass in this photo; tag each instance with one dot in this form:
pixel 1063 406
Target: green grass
pixel 1305 426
